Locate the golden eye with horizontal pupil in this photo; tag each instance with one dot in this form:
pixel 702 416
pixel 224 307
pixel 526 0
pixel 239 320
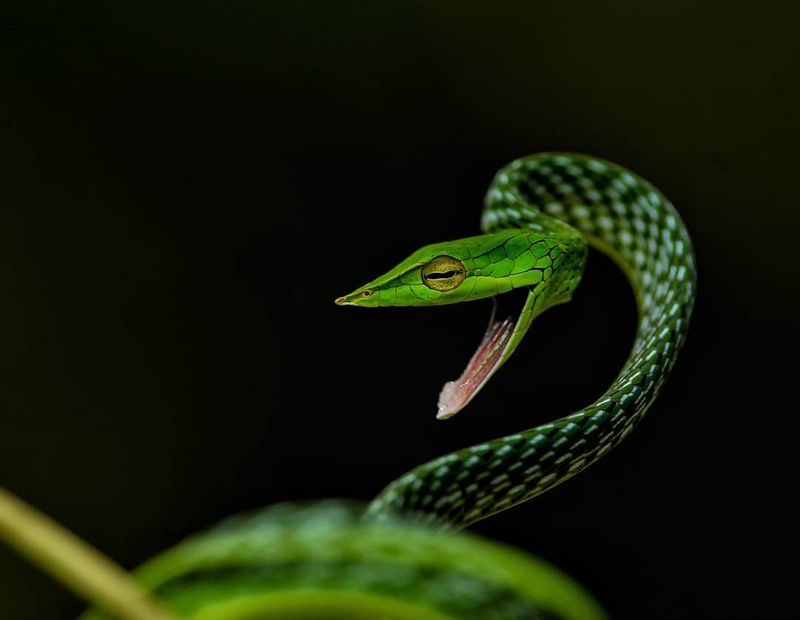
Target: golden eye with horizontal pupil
pixel 443 273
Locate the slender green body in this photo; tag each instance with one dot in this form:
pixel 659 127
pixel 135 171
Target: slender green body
pixel 333 561
pixel 627 218
pixel 321 561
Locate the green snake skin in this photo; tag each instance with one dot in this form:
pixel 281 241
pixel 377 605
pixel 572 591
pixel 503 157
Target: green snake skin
pixel 390 560
pixel 627 218
pixel 292 561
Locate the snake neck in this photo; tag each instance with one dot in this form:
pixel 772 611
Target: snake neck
pixel 625 217
pixel 621 215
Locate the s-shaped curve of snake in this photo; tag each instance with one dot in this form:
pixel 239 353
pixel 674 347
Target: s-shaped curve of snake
pixel 330 560
pixel 624 216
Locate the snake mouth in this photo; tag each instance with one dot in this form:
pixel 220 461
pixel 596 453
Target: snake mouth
pixel 495 347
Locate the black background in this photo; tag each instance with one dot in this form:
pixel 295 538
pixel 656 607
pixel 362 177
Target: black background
pixel 185 188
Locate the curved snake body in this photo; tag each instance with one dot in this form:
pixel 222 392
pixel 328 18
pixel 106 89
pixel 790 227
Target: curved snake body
pixel 624 216
pixel 335 562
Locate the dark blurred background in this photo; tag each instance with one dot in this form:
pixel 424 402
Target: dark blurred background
pixel 185 187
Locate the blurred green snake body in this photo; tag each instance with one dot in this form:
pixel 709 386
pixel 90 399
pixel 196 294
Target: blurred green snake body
pixel 334 561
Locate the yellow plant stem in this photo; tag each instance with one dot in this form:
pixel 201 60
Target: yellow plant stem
pixel 72 561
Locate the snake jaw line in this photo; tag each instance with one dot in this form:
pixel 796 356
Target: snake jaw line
pixel 455 395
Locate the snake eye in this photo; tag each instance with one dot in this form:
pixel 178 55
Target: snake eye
pixel 443 273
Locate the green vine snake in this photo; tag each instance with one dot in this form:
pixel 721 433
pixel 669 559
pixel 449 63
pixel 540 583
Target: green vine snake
pixel 391 560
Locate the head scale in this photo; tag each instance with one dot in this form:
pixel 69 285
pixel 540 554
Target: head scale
pixel 476 268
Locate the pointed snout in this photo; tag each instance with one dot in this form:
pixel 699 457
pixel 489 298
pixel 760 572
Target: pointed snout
pixel 359 297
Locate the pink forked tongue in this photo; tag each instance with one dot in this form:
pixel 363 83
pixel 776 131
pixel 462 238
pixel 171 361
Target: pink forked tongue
pixel 456 394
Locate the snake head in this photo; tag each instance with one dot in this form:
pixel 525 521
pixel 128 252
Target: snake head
pixel 542 266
